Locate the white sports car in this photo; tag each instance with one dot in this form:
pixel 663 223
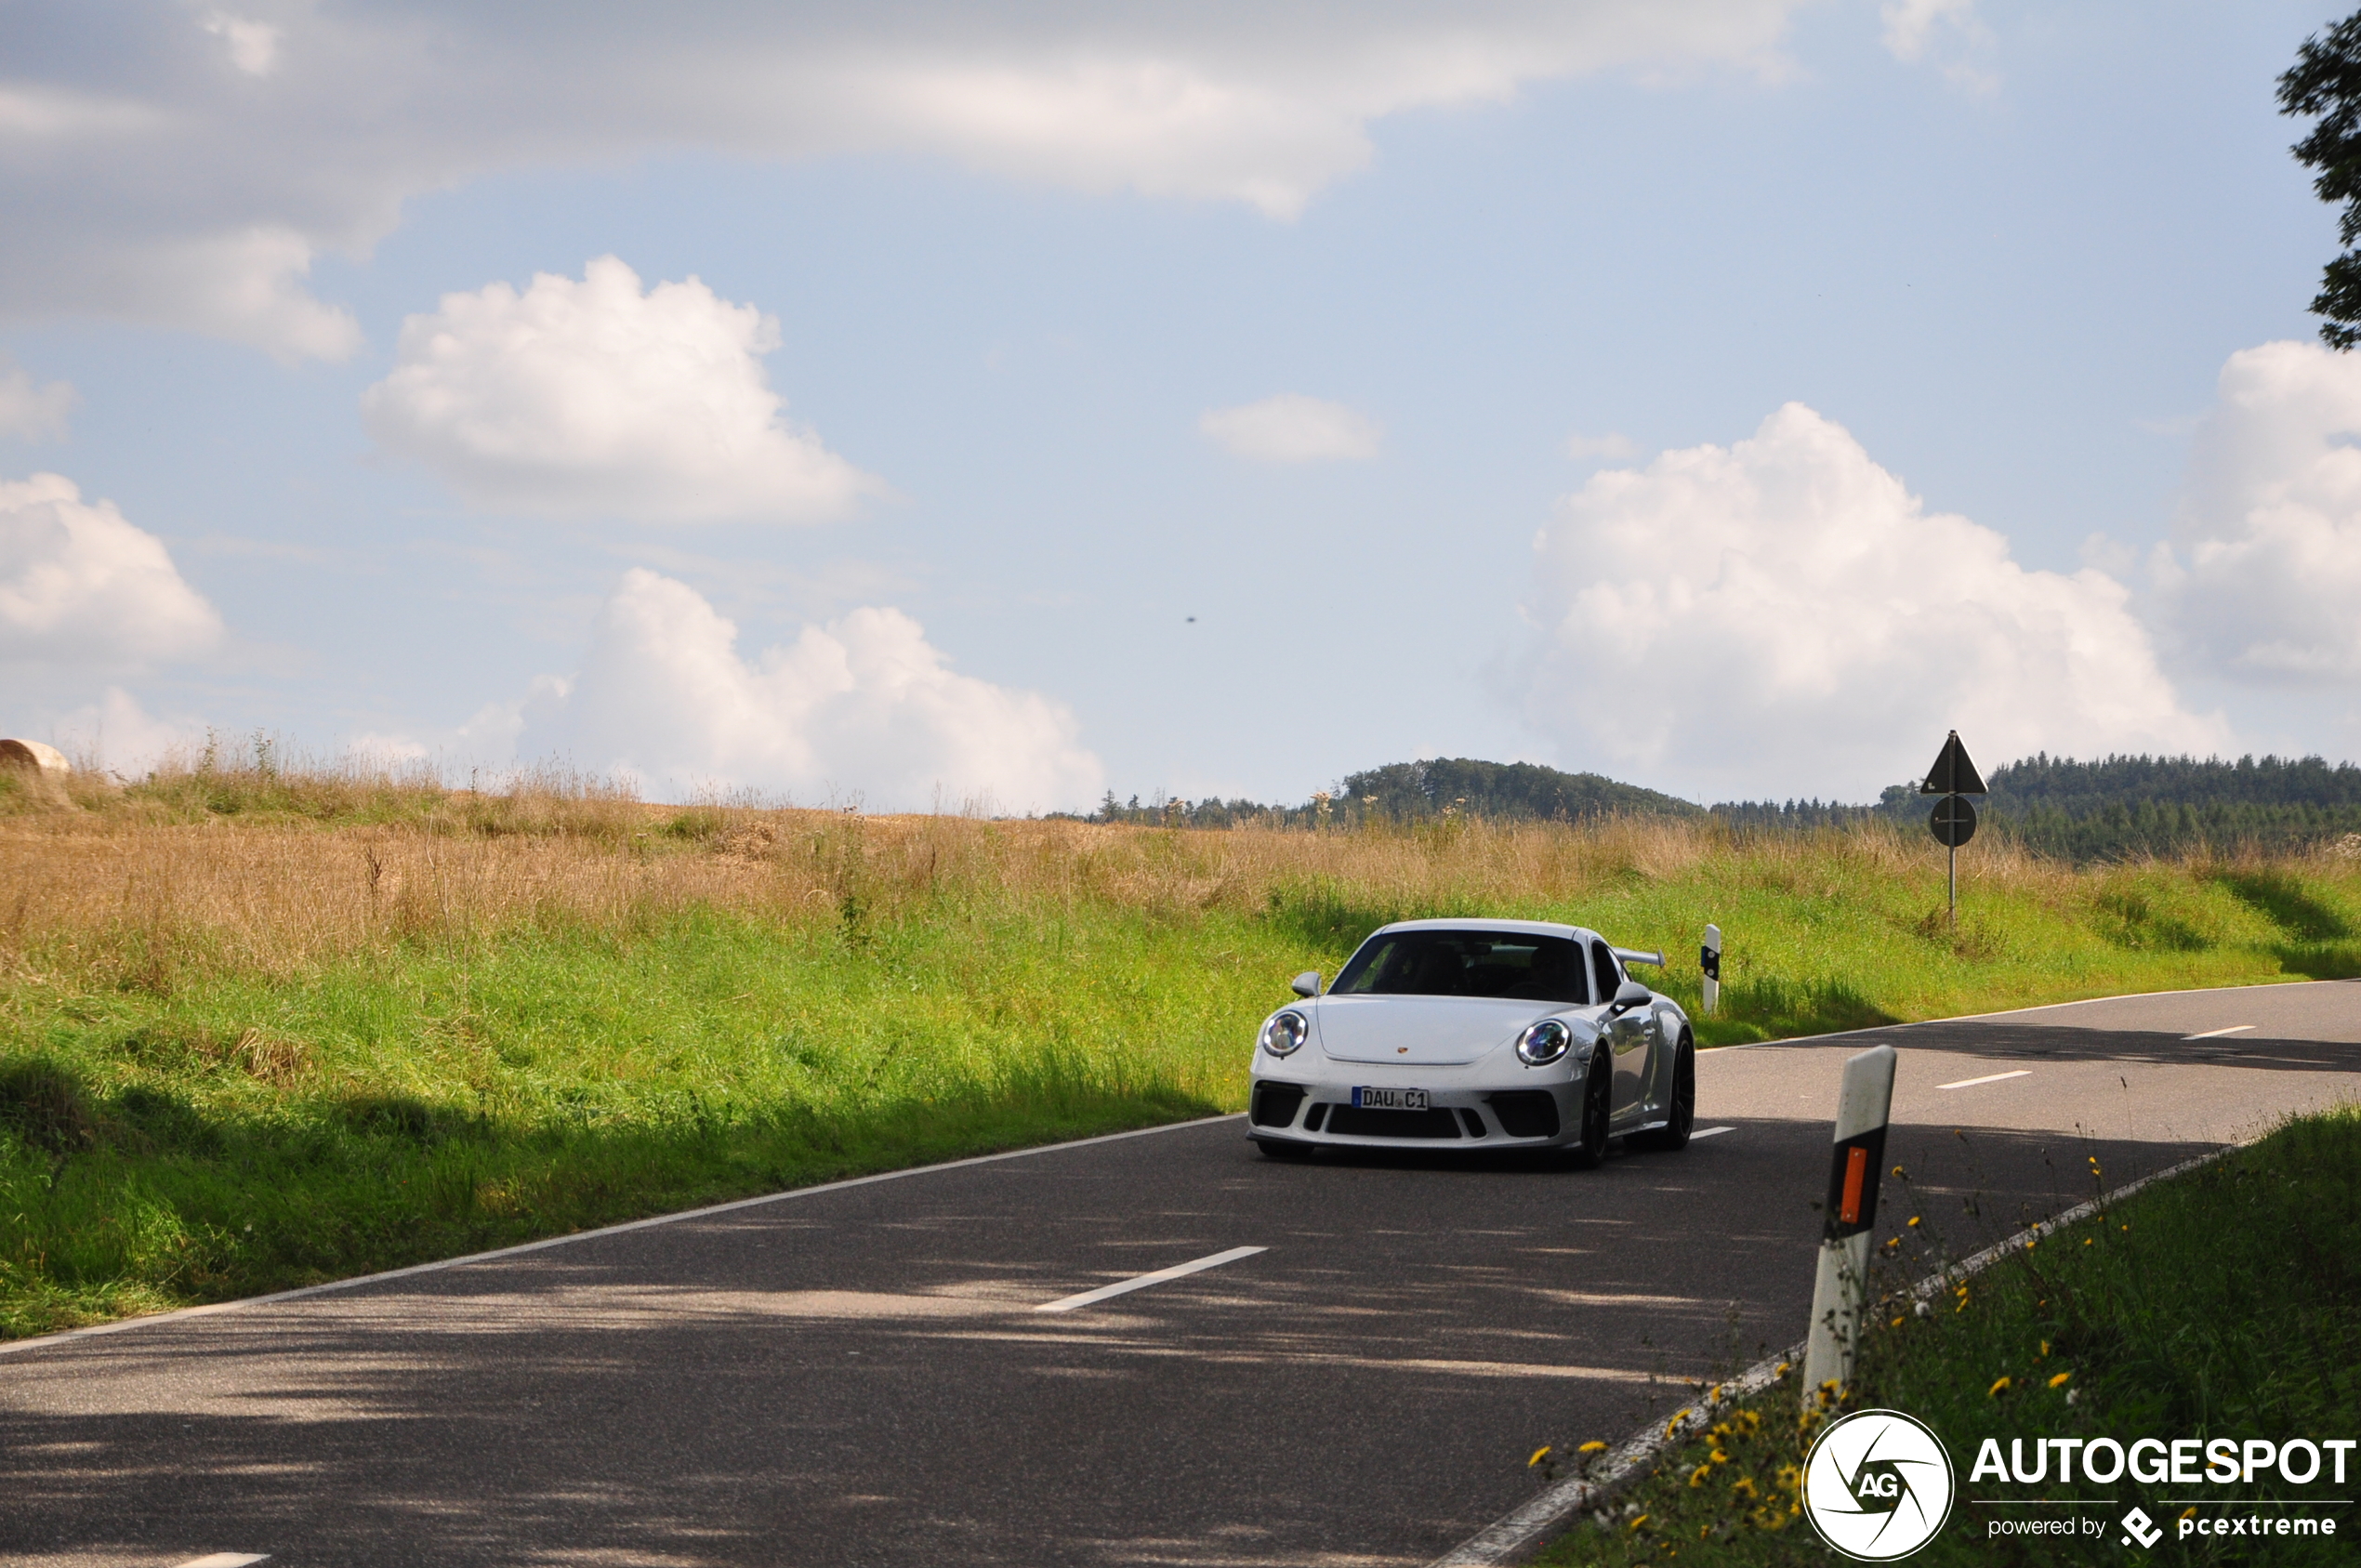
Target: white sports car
pixel 1476 1034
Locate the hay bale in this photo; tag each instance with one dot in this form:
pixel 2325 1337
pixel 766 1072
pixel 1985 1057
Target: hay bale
pixel 40 771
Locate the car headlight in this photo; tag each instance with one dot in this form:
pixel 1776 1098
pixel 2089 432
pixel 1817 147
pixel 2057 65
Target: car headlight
pixel 1285 1032
pixel 1543 1043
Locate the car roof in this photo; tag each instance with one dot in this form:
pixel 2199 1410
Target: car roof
pixel 1524 928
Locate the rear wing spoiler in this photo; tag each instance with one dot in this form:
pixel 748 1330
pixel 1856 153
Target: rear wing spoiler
pixel 1633 955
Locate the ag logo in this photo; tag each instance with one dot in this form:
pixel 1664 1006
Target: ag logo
pixel 1877 1485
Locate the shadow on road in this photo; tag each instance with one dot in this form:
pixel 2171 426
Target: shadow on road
pixel 861 1378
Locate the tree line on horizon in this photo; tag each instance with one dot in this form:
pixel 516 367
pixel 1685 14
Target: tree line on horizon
pixel 2108 808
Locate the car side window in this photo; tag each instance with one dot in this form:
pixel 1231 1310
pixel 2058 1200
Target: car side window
pixel 1602 968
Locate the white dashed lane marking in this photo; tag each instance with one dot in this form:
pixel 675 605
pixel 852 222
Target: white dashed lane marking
pixel 1988 1078
pixel 1068 1304
pixel 1709 1132
pixel 2217 1033
pixel 227 1559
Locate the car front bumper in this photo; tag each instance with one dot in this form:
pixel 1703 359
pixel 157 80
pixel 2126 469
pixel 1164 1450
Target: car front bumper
pixel 1525 1114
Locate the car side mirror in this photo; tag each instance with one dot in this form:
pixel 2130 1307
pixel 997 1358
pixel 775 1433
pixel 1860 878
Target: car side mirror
pixel 1307 984
pixel 1631 994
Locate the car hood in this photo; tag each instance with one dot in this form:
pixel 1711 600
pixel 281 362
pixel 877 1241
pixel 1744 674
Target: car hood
pixel 1421 1030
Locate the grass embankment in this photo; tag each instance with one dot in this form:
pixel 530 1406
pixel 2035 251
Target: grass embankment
pixel 261 1028
pixel 2223 1303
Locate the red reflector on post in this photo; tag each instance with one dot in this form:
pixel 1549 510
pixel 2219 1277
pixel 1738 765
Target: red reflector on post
pixel 1856 1171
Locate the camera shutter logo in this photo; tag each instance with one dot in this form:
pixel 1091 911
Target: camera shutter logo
pixel 1878 1485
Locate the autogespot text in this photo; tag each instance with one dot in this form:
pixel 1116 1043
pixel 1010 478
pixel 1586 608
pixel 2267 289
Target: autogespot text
pixel 2187 1461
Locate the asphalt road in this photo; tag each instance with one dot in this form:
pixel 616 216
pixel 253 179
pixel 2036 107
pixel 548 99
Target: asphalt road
pixel 859 1374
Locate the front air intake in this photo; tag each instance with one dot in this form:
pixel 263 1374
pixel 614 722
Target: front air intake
pixel 1526 1113
pixel 1275 1105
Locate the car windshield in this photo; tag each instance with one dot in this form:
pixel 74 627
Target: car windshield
pixel 1505 964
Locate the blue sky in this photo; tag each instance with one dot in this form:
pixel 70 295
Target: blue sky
pixel 1540 290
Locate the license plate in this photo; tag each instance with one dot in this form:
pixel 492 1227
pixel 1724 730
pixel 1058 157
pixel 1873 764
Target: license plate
pixel 1389 1100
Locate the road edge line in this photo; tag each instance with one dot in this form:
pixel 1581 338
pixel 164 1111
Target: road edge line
pixel 2012 1012
pixel 1523 1530
pixel 122 1325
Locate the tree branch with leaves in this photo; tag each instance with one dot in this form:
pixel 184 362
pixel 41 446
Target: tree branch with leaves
pixel 2326 80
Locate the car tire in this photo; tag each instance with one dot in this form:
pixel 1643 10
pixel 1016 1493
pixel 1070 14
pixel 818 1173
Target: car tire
pixel 1276 1149
pixel 1674 1134
pixel 1598 1091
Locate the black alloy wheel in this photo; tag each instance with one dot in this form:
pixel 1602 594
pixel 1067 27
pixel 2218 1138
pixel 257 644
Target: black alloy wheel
pixel 1674 1134
pixel 1596 1102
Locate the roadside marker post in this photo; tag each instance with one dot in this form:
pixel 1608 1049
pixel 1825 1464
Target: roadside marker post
pixel 1709 960
pixel 1842 1290
pixel 1953 820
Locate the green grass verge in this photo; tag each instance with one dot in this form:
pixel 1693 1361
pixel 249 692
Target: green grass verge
pixel 188 1113
pixel 2226 1303
pixel 242 1133
pixel 1842 940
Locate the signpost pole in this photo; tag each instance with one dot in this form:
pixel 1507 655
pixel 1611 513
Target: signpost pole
pixel 1953 822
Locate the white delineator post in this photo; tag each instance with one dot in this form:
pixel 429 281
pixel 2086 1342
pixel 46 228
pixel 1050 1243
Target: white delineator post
pixel 1836 1298
pixel 1709 960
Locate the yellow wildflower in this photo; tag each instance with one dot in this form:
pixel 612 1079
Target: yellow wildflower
pixel 1997 1390
pixel 1637 1523
pixel 1593 1446
pixel 2059 1381
pixel 1539 1454
pixel 1696 1477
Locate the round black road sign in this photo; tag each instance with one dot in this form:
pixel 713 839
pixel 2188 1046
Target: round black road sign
pixel 1953 822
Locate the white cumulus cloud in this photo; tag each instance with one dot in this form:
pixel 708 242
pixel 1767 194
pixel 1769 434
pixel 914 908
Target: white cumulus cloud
pixel 1292 429
pixel 863 707
pixel 80 585
pixel 2263 582
pixel 254 45
pixel 31 413
pixel 598 399
pixel 1910 24
pixel 119 735
pixel 1782 617
pixel 171 165
pixel 1911 27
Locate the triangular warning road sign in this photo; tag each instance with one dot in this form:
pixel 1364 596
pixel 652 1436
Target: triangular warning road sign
pixel 1952 772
